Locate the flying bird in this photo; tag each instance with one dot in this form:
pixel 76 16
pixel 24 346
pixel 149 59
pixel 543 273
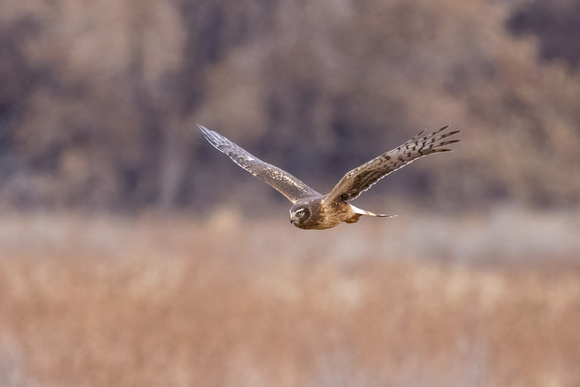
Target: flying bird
pixel 314 211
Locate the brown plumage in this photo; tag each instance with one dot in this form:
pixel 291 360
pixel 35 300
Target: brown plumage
pixel 312 210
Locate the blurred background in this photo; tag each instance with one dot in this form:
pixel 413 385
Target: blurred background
pixel 133 253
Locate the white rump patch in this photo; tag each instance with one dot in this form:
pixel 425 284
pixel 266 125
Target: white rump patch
pixel 364 212
pixel 358 210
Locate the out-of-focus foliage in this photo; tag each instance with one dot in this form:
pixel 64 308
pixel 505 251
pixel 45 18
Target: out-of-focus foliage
pixel 98 100
pixel 163 301
pixel 555 23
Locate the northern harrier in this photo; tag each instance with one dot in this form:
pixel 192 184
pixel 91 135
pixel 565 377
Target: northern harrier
pixel 313 211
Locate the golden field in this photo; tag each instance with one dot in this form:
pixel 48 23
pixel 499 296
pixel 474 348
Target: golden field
pixel 483 300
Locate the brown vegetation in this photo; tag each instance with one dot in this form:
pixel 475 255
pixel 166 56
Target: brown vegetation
pixel 98 100
pixel 113 302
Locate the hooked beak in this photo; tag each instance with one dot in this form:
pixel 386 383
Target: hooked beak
pixel 291 218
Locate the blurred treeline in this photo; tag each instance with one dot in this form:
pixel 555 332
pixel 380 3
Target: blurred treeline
pixel 99 99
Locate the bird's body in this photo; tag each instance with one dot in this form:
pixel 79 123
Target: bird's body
pixel 320 217
pixel 314 211
pixel 323 214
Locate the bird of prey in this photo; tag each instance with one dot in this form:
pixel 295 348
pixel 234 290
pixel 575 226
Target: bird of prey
pixel 314 211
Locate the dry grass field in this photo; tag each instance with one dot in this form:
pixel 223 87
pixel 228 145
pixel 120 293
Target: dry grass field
pixel 489 300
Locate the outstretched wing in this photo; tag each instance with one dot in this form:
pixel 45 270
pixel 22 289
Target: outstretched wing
pixel 362 178
pixel 285 183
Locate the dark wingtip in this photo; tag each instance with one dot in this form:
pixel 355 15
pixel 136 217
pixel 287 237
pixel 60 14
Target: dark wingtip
pixel 431 135
pixel 447 134
pixel 441 129
pixel 448 142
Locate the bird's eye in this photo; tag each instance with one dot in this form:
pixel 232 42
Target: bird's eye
pixel 300 213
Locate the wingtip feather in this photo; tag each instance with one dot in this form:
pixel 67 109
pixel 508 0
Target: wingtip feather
pixel 443 143
pixel 214 138
pixel 203 129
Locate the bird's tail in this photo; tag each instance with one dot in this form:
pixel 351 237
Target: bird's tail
pixel 365 212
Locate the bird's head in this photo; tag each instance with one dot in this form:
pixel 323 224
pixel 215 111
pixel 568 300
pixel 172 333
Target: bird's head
pixel 300 214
